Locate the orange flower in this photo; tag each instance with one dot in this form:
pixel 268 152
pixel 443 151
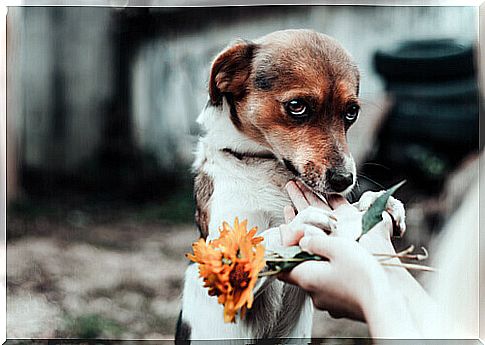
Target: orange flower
pixel 230 266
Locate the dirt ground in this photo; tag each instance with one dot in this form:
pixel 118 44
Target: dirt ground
pixel 118 279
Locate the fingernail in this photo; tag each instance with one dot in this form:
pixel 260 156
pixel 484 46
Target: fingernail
pixel 288 184
pixel 386 217
pixel 333 225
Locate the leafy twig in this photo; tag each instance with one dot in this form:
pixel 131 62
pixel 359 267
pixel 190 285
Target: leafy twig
pixel 374 214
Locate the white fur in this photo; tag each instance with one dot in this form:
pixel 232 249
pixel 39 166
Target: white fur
pixel 253 192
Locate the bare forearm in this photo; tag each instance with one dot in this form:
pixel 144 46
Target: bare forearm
pixel 422 307
pixel 388 314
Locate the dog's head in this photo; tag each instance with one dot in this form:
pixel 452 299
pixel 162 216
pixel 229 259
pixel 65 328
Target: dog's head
pixel 294 92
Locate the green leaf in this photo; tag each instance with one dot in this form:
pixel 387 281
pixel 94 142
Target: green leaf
pixel 289 257
pixel 374 214
pixel 288 252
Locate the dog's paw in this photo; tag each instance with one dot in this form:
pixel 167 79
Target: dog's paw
pixel 310 221
pixel 314 219
pixel 394 207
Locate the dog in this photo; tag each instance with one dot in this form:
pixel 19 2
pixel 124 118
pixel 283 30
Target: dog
pixel 279 109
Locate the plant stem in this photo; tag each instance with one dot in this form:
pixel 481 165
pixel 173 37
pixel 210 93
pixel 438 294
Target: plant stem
pixel 410 266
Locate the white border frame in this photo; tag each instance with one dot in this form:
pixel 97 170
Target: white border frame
pixel 193 3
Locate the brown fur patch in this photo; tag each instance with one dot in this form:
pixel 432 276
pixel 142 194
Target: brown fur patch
pixel 203 189
pixel 295 64
pixel 229 71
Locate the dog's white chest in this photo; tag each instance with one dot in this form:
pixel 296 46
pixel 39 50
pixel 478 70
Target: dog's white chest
pixel 252 189
pixel 254 192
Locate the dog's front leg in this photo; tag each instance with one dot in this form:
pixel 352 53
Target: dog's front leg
pixel 394 207
pixel 311 220
pixel 202 316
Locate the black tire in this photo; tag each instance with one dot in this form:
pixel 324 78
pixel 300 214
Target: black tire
pixel 436 122
pixel 462 90
pixel 426 60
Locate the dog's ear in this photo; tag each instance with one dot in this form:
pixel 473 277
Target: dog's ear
pixel 230 71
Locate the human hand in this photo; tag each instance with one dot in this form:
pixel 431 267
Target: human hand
pixel 349 225
pixel 345 284
pixel 349 219
pixel 377 240
pixel 314 215
pixel 331 284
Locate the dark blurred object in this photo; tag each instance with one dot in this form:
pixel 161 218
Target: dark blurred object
pixel 426 60
pixel 433 123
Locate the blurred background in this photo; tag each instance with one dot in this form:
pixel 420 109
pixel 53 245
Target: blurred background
pixel 101 128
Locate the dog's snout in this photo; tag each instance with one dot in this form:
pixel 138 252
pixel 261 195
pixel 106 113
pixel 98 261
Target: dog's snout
pixel 339 180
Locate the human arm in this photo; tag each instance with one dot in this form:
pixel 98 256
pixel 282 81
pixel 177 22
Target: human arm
pixel 422 307
pixel 403 291
pixel 352 283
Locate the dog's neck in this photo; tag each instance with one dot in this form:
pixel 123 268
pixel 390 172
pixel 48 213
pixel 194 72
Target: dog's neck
pixel 221 135
pixel 243 155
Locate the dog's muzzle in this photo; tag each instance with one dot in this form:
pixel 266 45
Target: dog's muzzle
pixel 339 180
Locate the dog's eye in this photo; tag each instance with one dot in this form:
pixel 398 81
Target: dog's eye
pixel 297 108
pixel 352 112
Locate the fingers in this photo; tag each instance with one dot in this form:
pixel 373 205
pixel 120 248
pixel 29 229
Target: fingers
pixel 320 245
pixel 291 237
pixel 308 275
pixel 393 206
pixel 312 198
pixel 318 217
pixel 297 197
pixel 289 213
pixel 336 200
pixel 309 221
pixel 272 238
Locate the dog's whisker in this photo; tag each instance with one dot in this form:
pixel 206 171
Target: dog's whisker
pixel 370 180
pixel 377 165
pixel 357 187
pixel 353 193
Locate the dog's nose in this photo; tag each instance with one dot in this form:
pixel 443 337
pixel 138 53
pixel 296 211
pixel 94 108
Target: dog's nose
pixel 339 180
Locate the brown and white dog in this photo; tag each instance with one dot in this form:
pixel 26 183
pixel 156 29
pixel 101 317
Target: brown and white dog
pixel 279 109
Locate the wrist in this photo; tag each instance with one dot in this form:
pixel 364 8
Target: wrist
pixel 375 288
pixel 379 288
pixel 386 311
pixel 400 276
